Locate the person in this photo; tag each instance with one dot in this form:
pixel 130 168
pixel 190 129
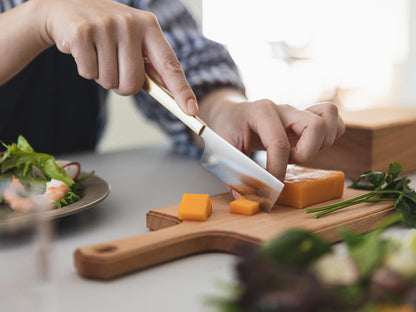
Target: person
pixel 59 58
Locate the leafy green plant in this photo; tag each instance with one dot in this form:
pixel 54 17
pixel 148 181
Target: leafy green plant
pixel 300 271
pixel 304 247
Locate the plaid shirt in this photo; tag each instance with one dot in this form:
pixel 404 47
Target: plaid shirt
pixel 207 64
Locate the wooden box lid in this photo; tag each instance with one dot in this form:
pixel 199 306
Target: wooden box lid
pixel 379 118
pixel 373 139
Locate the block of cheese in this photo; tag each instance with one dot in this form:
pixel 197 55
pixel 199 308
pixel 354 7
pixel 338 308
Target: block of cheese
pixel 306 186
pixel 197 207
pixel 244 206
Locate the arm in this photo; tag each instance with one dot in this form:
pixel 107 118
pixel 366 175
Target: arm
pixel 20 36
pixel 287 134
pixel 108 41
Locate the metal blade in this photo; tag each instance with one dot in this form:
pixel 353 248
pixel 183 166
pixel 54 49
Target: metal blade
pixel 238 171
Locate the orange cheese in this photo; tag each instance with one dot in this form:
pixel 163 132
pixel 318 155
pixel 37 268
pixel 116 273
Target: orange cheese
pixel 244 206
pixel 305 186
pixel 196 207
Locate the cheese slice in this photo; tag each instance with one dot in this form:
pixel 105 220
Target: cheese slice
pixel 306 186
pixel 197 207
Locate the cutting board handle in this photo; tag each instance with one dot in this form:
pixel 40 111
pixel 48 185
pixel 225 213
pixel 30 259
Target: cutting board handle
pixel 118 257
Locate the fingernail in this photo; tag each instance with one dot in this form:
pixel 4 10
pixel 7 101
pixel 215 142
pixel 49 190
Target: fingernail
pixel 235 194
pixel 192 107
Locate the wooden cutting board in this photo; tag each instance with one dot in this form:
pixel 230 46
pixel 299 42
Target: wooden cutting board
pixel 223 231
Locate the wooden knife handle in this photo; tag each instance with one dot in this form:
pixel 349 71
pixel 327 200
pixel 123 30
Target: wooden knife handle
pixel 119 257
pixel 164 97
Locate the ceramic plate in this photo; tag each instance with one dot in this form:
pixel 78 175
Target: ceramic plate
pixel 96 190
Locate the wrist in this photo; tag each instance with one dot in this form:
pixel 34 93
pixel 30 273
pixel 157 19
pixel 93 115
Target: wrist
pixel 211 106
pixel 213 103
pixel 38 20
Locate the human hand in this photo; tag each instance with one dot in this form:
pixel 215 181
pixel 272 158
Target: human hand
pixel 287 134
pixel 110 43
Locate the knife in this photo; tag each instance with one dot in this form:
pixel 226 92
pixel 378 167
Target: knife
pixel 222 159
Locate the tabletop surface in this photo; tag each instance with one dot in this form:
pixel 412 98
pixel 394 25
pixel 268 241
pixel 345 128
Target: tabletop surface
pixel 140 180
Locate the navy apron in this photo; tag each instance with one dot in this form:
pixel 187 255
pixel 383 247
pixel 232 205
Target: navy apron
pixel 54 108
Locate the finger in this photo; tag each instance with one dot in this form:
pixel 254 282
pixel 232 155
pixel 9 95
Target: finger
pixel 107 56
pixel 311 130
pixel 130 67
pixel 152 72
pixel 265 121
pixel 85 56
pixel 340 127
pixel 235 194
pixel 167 65
pixel 232 191
pixel 329 113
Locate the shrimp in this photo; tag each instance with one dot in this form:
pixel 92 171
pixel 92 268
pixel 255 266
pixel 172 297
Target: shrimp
pixel 19 200
pixel 17 197
pixel 55 191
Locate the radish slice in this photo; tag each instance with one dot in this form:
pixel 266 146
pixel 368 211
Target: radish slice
pixel 72 168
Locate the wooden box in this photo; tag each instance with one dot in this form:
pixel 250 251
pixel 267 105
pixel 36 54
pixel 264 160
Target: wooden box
pixel 373 139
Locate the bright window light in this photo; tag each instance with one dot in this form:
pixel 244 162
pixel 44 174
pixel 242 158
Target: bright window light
pixel 302 51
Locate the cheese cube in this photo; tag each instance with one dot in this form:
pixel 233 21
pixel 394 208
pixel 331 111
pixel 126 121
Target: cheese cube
pixel 244 206
pixel 197 207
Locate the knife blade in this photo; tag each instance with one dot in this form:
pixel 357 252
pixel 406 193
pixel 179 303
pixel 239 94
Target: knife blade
pixel 222 159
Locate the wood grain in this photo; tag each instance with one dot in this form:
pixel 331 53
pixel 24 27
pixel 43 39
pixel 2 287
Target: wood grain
pixel 373 139
pixel 224 232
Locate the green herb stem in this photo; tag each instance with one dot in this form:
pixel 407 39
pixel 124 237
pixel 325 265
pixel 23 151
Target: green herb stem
pixel 379 199
pixel 345 204
pixel 349 201
pixel 365 198
pixel 338 207
pixel 390 192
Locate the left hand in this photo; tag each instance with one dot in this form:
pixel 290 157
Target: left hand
pixel 287 134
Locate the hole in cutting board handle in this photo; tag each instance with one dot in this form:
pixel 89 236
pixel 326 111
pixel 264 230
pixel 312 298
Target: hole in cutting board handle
pixel 105 248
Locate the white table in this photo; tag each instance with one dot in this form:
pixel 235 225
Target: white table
pixel 140 180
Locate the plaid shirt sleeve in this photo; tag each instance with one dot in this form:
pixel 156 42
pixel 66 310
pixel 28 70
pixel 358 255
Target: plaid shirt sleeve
pixel 207 66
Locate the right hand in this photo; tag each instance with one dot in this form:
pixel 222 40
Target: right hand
pixel 110 41
pixel 287 134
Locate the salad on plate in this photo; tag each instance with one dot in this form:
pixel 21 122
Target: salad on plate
pixel 28 179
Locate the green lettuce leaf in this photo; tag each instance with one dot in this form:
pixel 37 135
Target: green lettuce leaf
pixel 19 159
